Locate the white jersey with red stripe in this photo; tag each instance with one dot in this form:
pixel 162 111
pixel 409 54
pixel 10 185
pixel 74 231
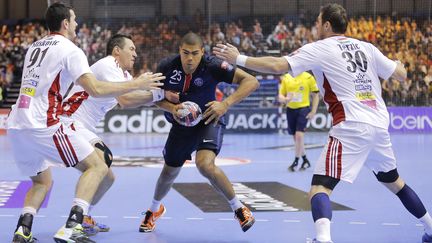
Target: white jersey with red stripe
pixel 347 72
pixel 51 65
pixel 87 110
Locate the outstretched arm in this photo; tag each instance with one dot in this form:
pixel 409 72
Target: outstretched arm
pixel 98 88
pixel 273 65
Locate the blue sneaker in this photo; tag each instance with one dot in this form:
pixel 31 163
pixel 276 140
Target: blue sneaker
pixel 91 227
pixel 426 238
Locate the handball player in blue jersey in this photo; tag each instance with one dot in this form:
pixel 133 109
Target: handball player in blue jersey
pixel 194 76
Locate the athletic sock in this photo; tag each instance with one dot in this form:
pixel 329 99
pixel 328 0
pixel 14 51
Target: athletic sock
pixel 155 205
pixel 235 203
pixel 322 214
pixel 81 203
pixel 411 201
pixel 426 220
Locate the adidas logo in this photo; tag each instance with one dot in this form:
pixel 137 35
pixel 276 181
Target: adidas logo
pixel 74 217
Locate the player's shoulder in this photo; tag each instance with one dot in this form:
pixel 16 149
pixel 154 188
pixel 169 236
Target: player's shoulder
pixel 106 62
pixel 215 63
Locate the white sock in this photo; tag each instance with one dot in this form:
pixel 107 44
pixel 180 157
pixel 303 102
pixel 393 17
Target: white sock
pixel 322 228
pixel 426 220
pixel 155 205
pixel 82 203
pixel 30 210
pixel 235 203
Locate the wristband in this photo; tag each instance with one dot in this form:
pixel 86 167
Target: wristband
pixel 158 94
pixel 241 60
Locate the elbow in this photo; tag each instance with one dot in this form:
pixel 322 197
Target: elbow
pixel 256 85
pixel 279 68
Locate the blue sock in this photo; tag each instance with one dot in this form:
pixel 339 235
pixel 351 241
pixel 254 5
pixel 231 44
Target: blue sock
pixel 321 206
pixel 411 201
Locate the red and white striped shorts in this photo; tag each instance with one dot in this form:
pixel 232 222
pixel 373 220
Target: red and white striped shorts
pixel 350 146
pixel 37 149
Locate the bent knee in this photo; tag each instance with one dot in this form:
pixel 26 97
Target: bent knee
pixel 206 169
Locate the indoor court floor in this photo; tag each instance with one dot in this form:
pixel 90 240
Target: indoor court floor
pixel 257 166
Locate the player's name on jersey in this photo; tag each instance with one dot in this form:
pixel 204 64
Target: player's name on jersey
pixel 45 43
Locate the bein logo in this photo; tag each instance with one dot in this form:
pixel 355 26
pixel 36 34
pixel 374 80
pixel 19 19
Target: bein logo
pixel 410 122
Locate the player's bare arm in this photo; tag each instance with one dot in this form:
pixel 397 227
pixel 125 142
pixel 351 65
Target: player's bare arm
pixel 98 88
pixel 314 105
pixel 169 107
pixel 274 65
pixel 247 85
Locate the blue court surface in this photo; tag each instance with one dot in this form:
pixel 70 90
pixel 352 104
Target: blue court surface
pixel 257 166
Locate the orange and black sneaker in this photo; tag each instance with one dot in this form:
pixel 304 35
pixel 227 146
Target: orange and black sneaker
pixel 149 222
pixel 245 218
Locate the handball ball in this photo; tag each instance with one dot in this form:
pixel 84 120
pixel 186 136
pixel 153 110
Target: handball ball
pixel 190 114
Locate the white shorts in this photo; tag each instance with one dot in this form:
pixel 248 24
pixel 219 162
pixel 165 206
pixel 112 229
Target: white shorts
pixel 35 150
pixel 85 133
pixel 350 146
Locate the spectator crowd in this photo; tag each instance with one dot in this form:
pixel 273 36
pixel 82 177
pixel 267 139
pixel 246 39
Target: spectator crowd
pixel 402 39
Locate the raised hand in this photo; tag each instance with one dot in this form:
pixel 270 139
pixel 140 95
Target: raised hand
pixel 149 81
pixel 226 52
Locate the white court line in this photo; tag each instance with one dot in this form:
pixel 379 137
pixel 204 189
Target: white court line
pixel 356 222
pixel 7 215
pixel 225 219
pixel 130 217
pixel 419 225
pixel 194 218
pixel 166 218
pixel 99 216
pixel 390 224
pixel 262 220
pixel 291 221
pixel 40 216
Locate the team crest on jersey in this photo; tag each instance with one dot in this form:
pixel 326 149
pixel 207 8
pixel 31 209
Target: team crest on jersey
pixel 198 82
pixel 225 65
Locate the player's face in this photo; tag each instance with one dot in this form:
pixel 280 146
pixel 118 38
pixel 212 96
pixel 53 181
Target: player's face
pixel 127 55
pixel 190 56
pixel 72 24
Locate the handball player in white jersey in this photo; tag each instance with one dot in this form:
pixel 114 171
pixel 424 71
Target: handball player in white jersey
pixel 86 112
pixel 347 73
pixel 36 133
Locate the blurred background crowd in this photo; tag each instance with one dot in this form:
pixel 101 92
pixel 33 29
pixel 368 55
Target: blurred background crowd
pixel 402 39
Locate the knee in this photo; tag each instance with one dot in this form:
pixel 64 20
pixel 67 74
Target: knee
pixel 206 168
pixel 387 177
pixel 169 174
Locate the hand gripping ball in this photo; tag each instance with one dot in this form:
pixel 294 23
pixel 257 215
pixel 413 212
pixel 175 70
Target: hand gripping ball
pixel 191 114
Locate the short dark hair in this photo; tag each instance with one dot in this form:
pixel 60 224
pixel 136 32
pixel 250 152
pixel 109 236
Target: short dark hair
pixel 116 40
pixel 336 15
pixel 55 14
pixel 192 39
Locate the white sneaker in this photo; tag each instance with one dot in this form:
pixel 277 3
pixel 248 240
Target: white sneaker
pixel 72 235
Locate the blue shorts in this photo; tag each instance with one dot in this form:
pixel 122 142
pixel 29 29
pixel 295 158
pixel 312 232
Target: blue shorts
pixel 297 120
pixel 182 141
